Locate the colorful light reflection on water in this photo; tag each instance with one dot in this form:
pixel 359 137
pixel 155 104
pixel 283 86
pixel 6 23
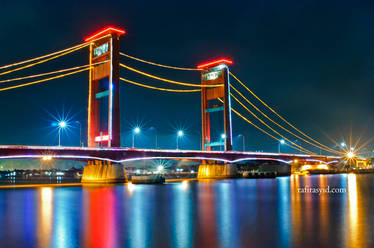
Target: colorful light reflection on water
pixel 226 213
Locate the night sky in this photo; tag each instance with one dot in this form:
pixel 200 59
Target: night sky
pixel 311 60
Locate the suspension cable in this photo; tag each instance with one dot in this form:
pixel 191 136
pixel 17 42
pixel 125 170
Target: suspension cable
pixel 264 123
pixel 44 60
pixel 262 130
pixel 44 56
pixel 285 129
pixel 272 110
pixel 160 65
pixel 43 80
pixel 157 88
pixel 50 73
pixel 167 80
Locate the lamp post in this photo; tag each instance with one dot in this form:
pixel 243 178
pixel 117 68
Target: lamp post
pixel 243 140
pixel 80 133
pixel 134 132
pixel 223 137
pixel 281 142
pixel 179 134
pixel 61 125
pixel 155 136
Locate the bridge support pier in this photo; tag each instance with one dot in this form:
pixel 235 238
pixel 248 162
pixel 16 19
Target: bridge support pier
pixel 217 171
pixel 104 172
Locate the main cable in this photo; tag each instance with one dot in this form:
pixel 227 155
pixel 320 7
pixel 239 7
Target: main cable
pixel 285 129
pixel 43 80
pixel 157 88
pixel 44 56
pixel 264 123
pixel 50 73
pixel 262 130
pixel 160 65
pixel 272 110
pixel 167 80
pixel 43 61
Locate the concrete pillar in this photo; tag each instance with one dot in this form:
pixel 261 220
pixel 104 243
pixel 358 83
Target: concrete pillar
pixel 104 172
pixel 217 171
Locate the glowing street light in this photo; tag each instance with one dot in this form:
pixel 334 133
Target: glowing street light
pixel 61 125
pixel 281 142
pixel 350 155
pixel 134 132
pixel 342 144
pixel 179 134
pixel 160 168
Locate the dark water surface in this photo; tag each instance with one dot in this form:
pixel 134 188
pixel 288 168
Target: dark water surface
pixel 227 213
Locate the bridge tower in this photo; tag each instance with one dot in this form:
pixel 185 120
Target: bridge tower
pixel 103 129
pixel 216 99
pixel 216 72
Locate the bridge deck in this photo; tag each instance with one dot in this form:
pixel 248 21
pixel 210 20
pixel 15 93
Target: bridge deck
pixel 119 155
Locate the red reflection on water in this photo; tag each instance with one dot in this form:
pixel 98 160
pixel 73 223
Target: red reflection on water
pixel 99 223
pixel 207 215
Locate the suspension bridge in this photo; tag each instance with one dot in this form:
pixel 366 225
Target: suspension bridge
pixel 220 90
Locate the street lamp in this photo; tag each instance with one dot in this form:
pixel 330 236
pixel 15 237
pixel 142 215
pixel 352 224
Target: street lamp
pixel 80 133
pixel 155 136
pixel 342 144
pixel 134 132
pixel 281 142
pixel 243 139
pixel 223 137
pixel 179 134
pixel 61 125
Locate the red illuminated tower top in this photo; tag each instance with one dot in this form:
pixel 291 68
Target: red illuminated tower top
pixel 214 63
pixel 105 31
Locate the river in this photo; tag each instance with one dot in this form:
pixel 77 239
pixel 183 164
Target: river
pixel 281 212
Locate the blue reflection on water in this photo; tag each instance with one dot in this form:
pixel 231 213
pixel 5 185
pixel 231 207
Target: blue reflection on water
pixel 140 217
pixel 226 215
pixel 182 221
pixel 284 211
pixel 66 217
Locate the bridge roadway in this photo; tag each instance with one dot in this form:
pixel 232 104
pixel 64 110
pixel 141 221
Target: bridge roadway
pixel 120 155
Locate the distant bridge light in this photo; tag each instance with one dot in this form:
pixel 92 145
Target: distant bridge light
pixel 180 133
pixel 322 167
pixel 160 168
pixel 223 136
pixel 350 155
pixel 47 158
pixel 342 144
pixel 306 167
pixel 137 130
pixel 282 141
